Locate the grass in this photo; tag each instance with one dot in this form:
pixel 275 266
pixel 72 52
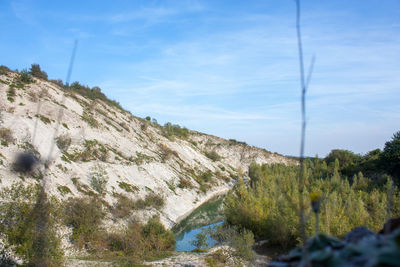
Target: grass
pixel 11 94
pixel 44 119
pixel 128 187
pixel 93 150
pixel 64 190
pixel 88 118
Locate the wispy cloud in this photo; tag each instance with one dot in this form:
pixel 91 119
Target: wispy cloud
pixel 232 70
pixel 24 11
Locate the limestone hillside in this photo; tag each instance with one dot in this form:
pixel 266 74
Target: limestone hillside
pixel 98 148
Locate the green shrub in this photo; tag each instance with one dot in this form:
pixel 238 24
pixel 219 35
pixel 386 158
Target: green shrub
pixel 84 215
pixel 217 258
pixel 44 119
pixel 173 130
pixel 35 71
pixel 93 150
pixel 242 244
pixel 63 142
pixel 63 189
pixel 213 155
pixel 99 179
pixel 142 240
pixel 123 206
pixel 167 153
pixel 206 176
pixel 185 183
pixel 157 237
pixel 269 207
pixel 235 142
pixel 11 93
pixel 87 117
pixel 4 70
pixel 128 187
pixel 28 222
pixel 24 77
pixel 239 239
pixel 201 241
pixel 129 241
pixel 6 135
pixel 391 157
pixel 151 200
pixel 124 125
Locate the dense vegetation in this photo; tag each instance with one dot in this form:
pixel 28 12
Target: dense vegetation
pixel 269 206
pixel 374 164
pixel 29 224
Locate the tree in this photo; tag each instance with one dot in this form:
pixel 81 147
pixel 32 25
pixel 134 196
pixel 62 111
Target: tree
pixel 391 156
pixel 347 159
pixel 35 71
pixel 24 76
pixel 201 241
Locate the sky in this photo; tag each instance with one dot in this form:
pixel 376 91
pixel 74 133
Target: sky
pixel 228 68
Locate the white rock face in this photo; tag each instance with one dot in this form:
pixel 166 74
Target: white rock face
pixel 137 152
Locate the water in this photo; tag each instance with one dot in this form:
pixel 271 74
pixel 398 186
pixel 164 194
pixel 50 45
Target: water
pixel 184 241
pixel 207 215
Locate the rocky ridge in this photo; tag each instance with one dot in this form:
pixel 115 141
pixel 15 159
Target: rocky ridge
pixel 135 157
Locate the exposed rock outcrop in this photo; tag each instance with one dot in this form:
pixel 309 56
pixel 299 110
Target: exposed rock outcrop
pixel 78 139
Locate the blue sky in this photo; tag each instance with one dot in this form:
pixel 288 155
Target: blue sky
pixel 227 68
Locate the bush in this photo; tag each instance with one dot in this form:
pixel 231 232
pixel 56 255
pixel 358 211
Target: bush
pixel 129 241
pixel 206 176
pixel 99 179
pixel 63 142
pixel 391 156
pixel 84 215
pixel 128 187
pixel 24 77
pixel 92 94
pixel 184 183
pixel 63 189
pixel 157 237
pixel 123 206
pixel 35 71
pixel 87 117
pixel 239 239
pixel 58 82
pixel 201 241
pixel 28 221
pixel 142 240
pixel 4 70
pixel 173 130
pixel 217 258
pixel 11 93
pixel 6 135
pixel 44 119
pixel 93 150
pixel 269 208
pixel 213 155
pixel 167 153
pixel 151 200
